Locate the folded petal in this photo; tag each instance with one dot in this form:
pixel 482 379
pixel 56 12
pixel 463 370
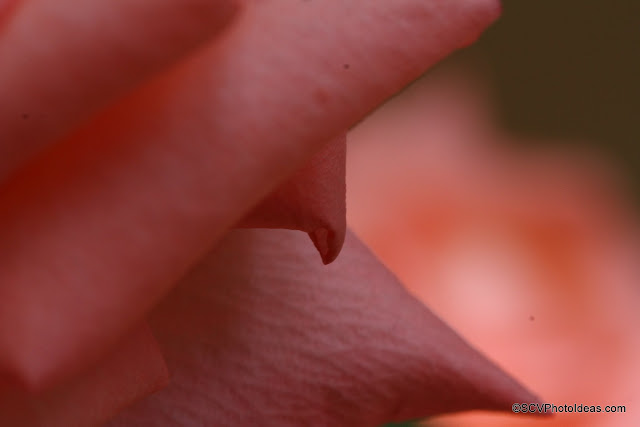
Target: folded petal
pixel 115 215
pixel 135 369
pixel 312 200
pixel 262 334
pixel 62 60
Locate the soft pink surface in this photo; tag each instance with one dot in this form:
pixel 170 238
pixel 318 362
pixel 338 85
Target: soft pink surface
pixel 113 216
pixel 130 372
pixel 6 6
pixel 312 200
pixel 162 133
pixel 261 333
pixel 63 60
pixel 532 254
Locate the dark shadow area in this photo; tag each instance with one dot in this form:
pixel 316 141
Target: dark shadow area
pixel 569 69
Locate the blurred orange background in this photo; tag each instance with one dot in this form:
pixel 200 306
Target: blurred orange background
pixel 500 189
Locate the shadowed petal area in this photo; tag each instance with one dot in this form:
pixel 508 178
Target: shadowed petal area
pixel 63 60
pixel 312 200
pixel 262 334
pixel 118 213
pixel 134 370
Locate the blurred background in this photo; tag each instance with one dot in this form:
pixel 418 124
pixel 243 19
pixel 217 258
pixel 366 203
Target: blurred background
pixel 503 188
pixel 569 69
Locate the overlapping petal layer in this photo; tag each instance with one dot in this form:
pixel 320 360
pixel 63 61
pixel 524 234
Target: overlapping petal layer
pixel 116 214
pixel 63 60
pixel 312 200
pixel 262 334
pixel 131 372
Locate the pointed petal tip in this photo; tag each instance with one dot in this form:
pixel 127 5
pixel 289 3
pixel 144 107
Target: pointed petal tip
pixel 490 9
pixel 328 242
pixel 502 393
pixel 484 13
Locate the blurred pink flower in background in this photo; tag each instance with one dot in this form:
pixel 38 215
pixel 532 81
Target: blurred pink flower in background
pixel 530 252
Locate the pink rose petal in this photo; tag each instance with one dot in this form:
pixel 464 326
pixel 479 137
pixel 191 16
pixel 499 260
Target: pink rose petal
pixel 134 370
pixel 262 334
pixel 6 7
pixel 63 60
pixel 114 216
pixel 312 200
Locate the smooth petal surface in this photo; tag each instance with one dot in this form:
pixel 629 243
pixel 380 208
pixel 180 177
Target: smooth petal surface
pixel 117 214
pixel 135 369
pixel 5 9
pixel 62 60
pixel 312 200
pixel 262 334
